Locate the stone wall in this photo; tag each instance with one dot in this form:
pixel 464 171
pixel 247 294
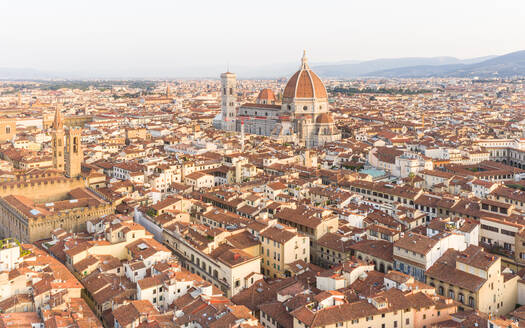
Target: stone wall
pixel 41 189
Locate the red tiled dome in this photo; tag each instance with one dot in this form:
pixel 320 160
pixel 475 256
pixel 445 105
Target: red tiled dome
pixel 305 84
pixel 266 94
pixel 324 118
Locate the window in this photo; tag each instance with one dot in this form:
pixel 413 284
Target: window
pixel 305 107
pixel 407 321
pixel 490 228
pixel 471 301
pixel 451 294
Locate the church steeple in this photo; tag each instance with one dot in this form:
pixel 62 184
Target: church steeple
pixel 57 123
pixel 167 89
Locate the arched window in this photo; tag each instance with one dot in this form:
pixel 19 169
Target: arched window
pixel 451 294
pixel 289 107
pixel 471 301
pixel 461 298
pixel 440 290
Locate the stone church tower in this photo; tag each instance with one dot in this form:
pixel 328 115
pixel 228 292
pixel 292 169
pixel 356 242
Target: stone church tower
pixel 229 101
pixel 57 137
pixel 67 156
pixel 73 152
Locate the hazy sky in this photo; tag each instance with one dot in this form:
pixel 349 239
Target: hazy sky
pixel 152 34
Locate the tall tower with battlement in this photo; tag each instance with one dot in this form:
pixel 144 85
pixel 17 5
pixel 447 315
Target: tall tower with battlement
pixel 57 136
pixel 73 152
pixel 229 101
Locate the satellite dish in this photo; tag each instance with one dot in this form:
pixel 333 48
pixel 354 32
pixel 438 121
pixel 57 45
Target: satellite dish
pixel 404 129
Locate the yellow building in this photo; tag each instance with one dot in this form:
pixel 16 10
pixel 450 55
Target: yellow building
pixel 281 245
pixel 474 279
pixel 391 308
pixel 311 221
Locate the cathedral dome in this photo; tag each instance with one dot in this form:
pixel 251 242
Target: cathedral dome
pixel 324 118
pixel 266 96
pixel 305 84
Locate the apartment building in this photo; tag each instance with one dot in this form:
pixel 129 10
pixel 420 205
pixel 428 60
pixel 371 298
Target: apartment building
pixel 204 251
pixel 280 246
pixel 474 279
pixel 392 308
pixel 500 232
pixel 312 222
pixel 415 253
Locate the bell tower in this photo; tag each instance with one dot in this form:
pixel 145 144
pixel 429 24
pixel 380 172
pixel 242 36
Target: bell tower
pixel 228 91
pixel 73 152
pixel 57 136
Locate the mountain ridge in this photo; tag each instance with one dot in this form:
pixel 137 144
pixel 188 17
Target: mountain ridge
pixel 508 65
pixel 511 64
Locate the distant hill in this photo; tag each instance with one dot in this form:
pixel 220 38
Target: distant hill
pixel 22 73
pixel 512 64
pixel 490 66
pixel 366 67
